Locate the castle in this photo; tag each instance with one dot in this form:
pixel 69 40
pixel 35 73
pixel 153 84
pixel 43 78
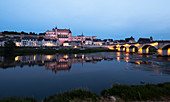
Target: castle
pixel 65 35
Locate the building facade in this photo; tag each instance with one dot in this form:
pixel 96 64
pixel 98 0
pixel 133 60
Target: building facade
pixel 66 35
pixel 61 34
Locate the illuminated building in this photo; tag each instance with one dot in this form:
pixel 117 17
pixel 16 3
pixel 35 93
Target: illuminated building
pixel 72 43
pixel 65 35
pixel 97 42
pixel 61 34
pixel 28 42
pixel 88 41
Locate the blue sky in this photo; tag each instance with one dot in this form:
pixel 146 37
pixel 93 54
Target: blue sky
pixel 114 19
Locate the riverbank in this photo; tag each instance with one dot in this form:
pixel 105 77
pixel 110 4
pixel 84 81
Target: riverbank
pixel 31 51
pixel 120 93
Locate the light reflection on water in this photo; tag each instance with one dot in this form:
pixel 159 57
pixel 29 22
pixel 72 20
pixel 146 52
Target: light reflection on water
pixel 44 75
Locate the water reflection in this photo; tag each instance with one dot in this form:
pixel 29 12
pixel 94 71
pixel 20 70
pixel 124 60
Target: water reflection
pixel 63 62
pixel 44 75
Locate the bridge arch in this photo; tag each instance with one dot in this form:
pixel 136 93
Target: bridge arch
pixel 122 48
pixel 132 49
pixel 165 50
pixel 165 46
pixel 145 49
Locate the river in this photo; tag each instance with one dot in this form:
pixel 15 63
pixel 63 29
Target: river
pixel 40 76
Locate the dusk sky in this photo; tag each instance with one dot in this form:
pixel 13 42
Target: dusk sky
pixel 114 19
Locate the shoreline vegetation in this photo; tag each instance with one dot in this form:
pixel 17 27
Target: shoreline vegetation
pixel 33 51
pixel 19 51
pixel 117 93
pixel 30 51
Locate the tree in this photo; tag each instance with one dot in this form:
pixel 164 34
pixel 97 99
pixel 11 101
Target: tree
pixel 30 33
pixel 9 47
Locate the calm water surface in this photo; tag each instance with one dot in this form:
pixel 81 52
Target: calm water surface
pixel 40 76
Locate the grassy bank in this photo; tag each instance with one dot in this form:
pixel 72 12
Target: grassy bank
pixel 149 92
pixel 140 92
pixel 73 96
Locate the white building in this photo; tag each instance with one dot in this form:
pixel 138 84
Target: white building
pixel 88 41
pixel 50 43
pixel 72 43
pixel 33 42
pixel 97 42
pixel 29 42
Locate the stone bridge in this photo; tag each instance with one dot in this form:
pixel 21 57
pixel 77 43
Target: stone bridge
pixel 162 47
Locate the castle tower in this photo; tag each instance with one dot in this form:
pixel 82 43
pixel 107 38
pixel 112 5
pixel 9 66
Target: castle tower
pixel 151 39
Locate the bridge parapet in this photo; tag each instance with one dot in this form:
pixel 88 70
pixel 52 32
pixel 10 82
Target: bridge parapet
pixel 144 47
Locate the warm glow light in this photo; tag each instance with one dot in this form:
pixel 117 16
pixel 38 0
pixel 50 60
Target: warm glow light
pixel 137 62
pixel 82 56
pixel 133 50
pixel 123 49
pixel 66 44
pixel 154 44
pixel 126 45
pixel 140 50
pixel 126 61
pixel 65 56
pixel 118 53
pixel 35 44
pixel 75 47
pixel 34 57
pixel 16 58
pixel 118 59
pixel 147 50
pixel 75 55
pixel 126 58
pixel 18 44
pixel 111 48
pixel 159 51
pixel 49 44
pixel 118 48
pixel 118 45
pixel 137 44
pixel 168 51
pixel 48 56
pixel 127 54
pixel 127 49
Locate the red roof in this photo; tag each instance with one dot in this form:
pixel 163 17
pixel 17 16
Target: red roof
pixel 63 30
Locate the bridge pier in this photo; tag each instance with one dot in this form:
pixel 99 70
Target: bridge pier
pixel 118 49
pixel 159 51
pixel 127 49
pixel 143 50
pixel 140 50
pixel 132 49
pixel 164 52
pixel 122 49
